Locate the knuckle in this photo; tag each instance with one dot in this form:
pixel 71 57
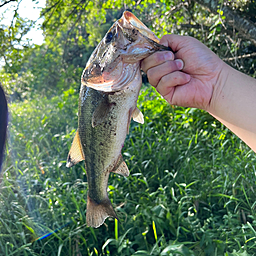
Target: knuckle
pixel 150 73
pixel 144 66
pixel 152 83
pixel 177 78
pixel 165 79
pixel 159 57
pixel 152 76
pixel 171 65
pixel 157 89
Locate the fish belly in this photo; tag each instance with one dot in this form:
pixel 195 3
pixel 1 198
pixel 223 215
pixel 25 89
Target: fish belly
pixel 102 144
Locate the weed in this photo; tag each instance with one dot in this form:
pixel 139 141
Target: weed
pixel 191 190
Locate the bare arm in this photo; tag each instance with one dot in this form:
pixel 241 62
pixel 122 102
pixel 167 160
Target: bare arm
pixel 195 77
pixel 234 104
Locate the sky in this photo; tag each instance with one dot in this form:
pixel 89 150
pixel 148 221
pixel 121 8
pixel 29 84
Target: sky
pixel 27 9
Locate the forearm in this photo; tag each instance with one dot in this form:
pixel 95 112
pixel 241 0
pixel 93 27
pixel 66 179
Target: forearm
pixel 234 104
pixel 248 137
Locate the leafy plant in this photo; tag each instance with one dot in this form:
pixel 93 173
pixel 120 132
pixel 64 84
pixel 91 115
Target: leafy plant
pixel 190 191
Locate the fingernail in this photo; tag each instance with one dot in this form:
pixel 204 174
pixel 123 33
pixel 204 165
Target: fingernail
pixel 188 77
pixel 169 56
pixel 179 63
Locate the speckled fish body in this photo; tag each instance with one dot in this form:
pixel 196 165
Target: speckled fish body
pixel 110 86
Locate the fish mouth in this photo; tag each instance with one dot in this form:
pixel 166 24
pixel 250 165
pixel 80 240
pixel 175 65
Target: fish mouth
pixel 129 20
pixel 116 60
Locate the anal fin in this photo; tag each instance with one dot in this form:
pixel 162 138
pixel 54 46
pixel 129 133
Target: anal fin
pixel 75 154
pixel 121 167
pixel 122 170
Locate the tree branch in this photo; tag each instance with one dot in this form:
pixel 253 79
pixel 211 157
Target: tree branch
pixel 7 2
pixel 241 57
pixel 244 26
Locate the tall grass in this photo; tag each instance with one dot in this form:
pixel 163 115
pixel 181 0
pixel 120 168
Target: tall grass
pixel 191 190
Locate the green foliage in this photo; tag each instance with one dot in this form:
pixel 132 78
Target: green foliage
pixel 73 28
pixel 190 191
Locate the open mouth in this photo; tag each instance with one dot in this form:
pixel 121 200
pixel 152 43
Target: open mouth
pixel 128 20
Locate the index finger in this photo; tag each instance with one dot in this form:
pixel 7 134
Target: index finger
pixel 156 59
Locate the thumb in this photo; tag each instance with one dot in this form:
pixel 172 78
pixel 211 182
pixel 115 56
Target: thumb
pixel 172 41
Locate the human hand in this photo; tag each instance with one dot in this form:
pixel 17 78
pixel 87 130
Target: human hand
pixel 189 76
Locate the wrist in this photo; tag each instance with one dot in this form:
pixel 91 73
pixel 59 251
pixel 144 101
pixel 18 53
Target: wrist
pixel 219 89
pixel 233 99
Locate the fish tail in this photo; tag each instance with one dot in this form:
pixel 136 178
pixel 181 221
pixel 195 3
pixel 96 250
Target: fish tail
pixel 96 213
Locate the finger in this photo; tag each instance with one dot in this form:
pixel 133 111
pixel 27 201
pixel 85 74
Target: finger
pixel 167 83
pixel 156 73
pixel 156 59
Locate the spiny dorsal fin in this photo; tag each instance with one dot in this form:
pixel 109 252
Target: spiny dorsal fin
pixel 137 116
pixel 75 154
pixel 101 112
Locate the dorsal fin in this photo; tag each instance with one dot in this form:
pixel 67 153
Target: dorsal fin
pixel 76 153
pixel 137 116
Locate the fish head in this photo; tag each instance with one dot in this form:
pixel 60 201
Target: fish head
pixel 116 60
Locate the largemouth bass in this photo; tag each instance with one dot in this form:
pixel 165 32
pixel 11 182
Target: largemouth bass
pixel 110 85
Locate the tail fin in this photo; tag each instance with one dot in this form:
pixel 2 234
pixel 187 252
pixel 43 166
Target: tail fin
pixel 97 213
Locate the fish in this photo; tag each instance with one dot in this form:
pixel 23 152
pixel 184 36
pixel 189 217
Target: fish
pixel 110 85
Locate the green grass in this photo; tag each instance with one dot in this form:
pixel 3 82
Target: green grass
pixel 191 189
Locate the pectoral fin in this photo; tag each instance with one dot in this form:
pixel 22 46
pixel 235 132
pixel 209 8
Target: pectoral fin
pixel 101 112
pixel 138 116
pixel 75 154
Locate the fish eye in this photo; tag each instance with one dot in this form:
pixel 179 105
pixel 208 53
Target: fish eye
pixel 109 37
